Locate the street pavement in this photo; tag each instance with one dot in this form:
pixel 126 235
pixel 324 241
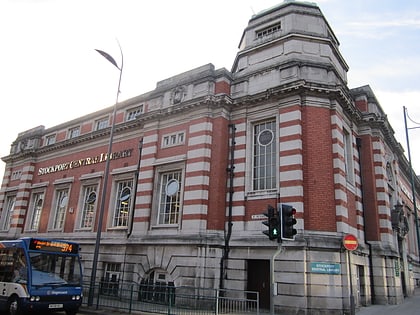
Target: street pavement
pixel 84 310
pixel 410 306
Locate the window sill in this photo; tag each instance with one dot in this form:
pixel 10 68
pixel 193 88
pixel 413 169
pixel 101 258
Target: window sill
pixel 262 194
pixel 164 226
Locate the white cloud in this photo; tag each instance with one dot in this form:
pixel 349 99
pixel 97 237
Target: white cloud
pixel 392 103
pixel 51 73
pixel 401 71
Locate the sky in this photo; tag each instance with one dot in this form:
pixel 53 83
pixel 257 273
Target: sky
pixel 50 72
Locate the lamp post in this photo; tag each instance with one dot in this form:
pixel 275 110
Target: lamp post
pixel 105 181
pixel 413 187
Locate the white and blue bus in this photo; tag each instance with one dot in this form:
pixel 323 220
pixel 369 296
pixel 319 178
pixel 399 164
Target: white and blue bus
pixel 40 276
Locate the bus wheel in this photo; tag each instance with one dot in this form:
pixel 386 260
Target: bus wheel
pixel 14 307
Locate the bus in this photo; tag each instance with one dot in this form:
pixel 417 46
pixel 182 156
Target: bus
pixel 40 276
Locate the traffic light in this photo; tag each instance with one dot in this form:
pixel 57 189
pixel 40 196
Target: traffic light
pixel 272 222
pixel 288 221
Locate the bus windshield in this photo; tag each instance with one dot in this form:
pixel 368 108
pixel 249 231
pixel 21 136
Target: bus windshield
pixel 52 269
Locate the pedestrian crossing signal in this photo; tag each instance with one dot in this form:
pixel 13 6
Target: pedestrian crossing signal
pixel 273 231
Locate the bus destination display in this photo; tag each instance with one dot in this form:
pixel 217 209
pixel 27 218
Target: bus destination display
pixel 53 246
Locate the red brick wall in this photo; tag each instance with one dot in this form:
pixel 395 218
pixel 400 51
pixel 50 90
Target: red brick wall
pixel 369 184
pixel 222 87
pixel 218 175
pixel 319 199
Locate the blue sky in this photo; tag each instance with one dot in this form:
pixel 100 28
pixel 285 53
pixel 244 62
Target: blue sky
pixel 50 73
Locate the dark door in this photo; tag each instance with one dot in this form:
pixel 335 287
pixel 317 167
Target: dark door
pixel 259 280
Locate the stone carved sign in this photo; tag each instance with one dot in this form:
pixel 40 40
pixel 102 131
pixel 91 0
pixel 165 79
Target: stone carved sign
pixel 177 95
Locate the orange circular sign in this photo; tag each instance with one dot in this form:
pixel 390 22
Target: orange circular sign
pixel 350 242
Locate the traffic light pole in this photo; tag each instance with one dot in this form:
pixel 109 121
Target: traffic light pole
pixel 273 290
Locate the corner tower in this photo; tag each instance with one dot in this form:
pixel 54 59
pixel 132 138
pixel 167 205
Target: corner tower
pixel 287 43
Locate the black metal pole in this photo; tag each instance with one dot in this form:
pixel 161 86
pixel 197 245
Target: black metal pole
pixel 413 188
pixel 105 182
pixel 136 178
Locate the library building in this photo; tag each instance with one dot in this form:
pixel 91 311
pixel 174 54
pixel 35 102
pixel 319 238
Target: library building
pixel 180 195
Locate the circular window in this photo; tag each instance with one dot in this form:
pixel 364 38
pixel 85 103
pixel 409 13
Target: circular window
pixel 63 202
pixel 265 137
pixel 172 187
pixel 125 195
pixel 39 203
pixel 91 198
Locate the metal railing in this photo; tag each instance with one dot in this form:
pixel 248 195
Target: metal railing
pixel 166 299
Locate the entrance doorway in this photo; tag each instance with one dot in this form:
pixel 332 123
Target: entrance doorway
pixel 259 280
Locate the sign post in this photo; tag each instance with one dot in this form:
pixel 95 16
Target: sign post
pixel 350 243
pixel 273 290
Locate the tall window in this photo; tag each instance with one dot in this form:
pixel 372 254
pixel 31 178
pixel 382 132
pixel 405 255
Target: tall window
pixel 111 279
pixel 60 209
pixel 88 208
pixel 7 213
pixel 169 197
pixel 37 201
pixel 122 203
pixel 348 155
pixel 264 155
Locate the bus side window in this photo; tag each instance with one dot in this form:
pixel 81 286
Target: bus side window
pixel 6 265
pixel 20 268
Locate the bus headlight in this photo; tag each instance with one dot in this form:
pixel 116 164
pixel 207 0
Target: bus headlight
pixel 75 297
pixel 35 298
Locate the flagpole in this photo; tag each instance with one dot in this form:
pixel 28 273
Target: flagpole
pixel 106 175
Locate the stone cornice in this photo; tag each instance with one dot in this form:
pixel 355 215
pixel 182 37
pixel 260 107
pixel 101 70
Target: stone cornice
pixel 209 100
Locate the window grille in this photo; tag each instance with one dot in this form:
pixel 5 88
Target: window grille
pixel 60 209
pixel 348 156
pixel 122 203
pixel 111 279
pixel 89 204
pixel 8 212
pixel 169 197
pixel 264 155
pixel 38 200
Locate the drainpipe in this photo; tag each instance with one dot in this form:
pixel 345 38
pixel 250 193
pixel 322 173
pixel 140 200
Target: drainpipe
pixel 228 233
pixel 136 179
pixel 371 282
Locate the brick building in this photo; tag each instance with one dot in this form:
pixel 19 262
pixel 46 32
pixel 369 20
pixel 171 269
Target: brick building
pixel 196 161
